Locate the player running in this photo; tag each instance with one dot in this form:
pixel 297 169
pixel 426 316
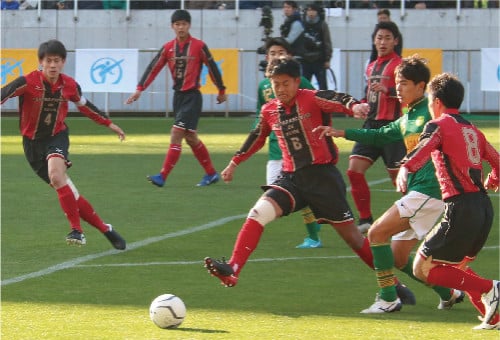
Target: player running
pixel 457 149
pixel 309 176
pixel 43 107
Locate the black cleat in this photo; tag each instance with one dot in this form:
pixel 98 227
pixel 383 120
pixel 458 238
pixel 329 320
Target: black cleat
pixel 405 294
pixel 222 270
pixel 116 240
pixel 76 238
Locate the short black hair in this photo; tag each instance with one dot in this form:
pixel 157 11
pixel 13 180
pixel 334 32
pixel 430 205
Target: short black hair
pixel 278 41
pixel 52 47
pixel 414 68
pixel 384 11
pixel 388 25
pixel 448 88
pixel 291 3
pixel 181 14
pixel 281 66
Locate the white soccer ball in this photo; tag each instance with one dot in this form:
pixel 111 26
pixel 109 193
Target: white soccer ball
pixel 167 311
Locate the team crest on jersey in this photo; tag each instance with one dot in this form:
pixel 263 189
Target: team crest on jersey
pixel 420 121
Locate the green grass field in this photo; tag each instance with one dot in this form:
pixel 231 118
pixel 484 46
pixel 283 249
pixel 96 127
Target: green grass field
pixel 53 291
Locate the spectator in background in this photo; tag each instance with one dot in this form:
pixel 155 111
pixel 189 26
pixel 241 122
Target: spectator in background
pixel 292 29
pixel 385 15
pixel 317 45
pixel 10 4
pixel 114 4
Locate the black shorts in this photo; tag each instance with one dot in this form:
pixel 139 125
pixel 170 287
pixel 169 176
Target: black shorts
pixel 391 153
pixel 321 187
pixel 187 109
pixel 37 152
pixel 463 231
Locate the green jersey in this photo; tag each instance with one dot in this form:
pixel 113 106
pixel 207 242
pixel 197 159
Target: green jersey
pixel 408 128
pixel 265 94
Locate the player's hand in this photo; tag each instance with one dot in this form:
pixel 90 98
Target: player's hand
pixel 325 130
pixel 378 87
pixel 361 110
pixel 402 179
pixel 221 98
pixel 134 97
pixel 227 173
pixel 116 129
pixel 491 183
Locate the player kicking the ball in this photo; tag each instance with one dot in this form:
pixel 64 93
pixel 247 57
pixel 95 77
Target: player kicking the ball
pixel 43 97
pixel 309 177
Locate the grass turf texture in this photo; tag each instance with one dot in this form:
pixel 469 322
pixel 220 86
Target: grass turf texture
pixel 94 292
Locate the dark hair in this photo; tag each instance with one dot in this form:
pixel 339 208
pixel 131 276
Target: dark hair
pixel 384 11
pixel 415 69
pixel 388 25
pixel 52 47
pixel 286 66
pixel 291 3
pixel 181 14
pixel 314 6
pixel 448 89
pixel 278 41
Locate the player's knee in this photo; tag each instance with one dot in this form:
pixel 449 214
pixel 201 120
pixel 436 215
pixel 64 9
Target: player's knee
pixel 263 212
pixel 421 267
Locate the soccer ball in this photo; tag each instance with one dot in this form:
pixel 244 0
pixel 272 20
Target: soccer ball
pixel 167 311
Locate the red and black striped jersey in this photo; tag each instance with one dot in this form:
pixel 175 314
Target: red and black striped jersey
pixel 293 127
pixel 43 106
pixel 185 61
pixel 457 149
pixel 383 106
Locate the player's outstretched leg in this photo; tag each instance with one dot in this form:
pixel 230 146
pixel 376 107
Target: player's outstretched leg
pixel 222 270
pixel 116 240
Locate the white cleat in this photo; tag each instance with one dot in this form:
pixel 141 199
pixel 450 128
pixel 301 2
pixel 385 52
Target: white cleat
pixel 487 326
pixel 382 306
pixel 490 301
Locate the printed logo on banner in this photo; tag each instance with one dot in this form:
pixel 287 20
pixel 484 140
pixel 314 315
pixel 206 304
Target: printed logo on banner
pixel 11 68
pixel 106 71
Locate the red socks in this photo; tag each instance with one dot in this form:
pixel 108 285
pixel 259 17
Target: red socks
pixel 89 215
pixel 360 193
pixel 365 253
pixel 69 206
pixel 448 276
pixel 171 158
pixel 246 242
pixel 201 153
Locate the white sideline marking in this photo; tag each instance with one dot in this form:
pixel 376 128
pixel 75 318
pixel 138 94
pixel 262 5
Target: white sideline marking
pixel 265 259
pixel 131 246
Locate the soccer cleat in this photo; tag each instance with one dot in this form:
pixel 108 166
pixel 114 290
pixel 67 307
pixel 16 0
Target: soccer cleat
pixel 310 243
pixel 222 270
pixel 382 306
pixel 208 179
pixel 487 326
pixel 116 240
pixel 75 237
pixel 490 302
pixel 156 180
pixel 405 294
pixel 456 297
pixel 364 224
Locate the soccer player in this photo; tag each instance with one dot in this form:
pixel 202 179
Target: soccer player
pixel 43 107
pixel 279 48
pixel 309 176
pixel 184 57
pixel 384 108
pixel 410 218
pixel 457 149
